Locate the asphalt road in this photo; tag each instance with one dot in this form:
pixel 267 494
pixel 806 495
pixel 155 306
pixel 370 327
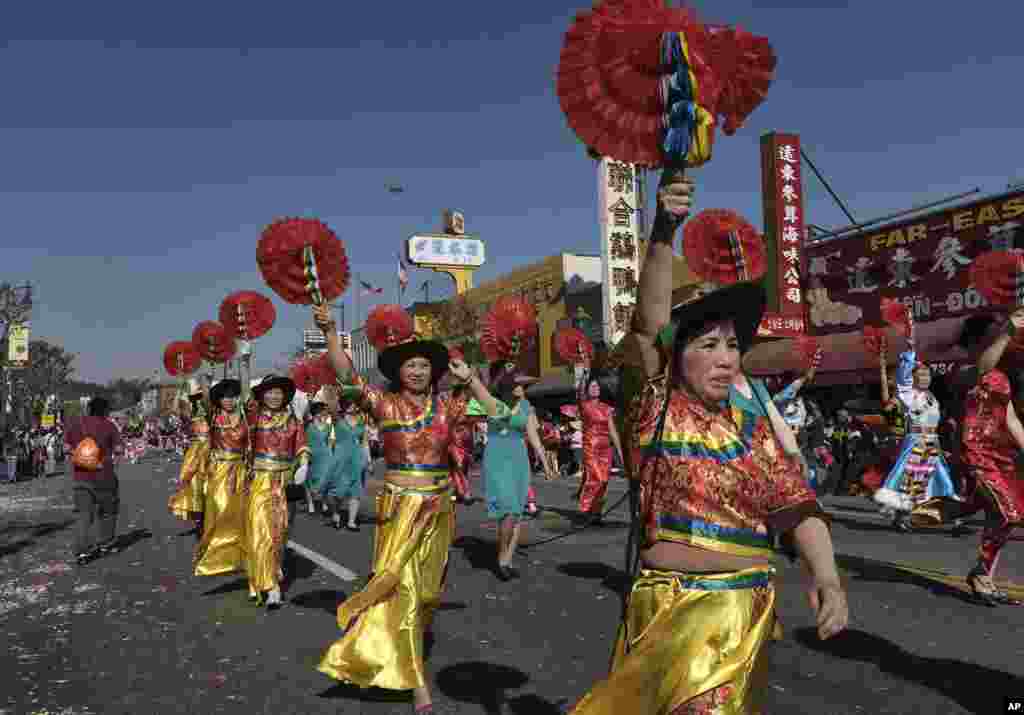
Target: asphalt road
pixel 136 633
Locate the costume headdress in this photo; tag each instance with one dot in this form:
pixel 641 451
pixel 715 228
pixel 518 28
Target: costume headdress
pixel 646 84
pixel 275 381
pixel 303 261
pixel 391 332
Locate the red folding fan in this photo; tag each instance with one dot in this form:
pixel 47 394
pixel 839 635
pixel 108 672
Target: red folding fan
pixel 574 347
pixel 720 246
pixel 895 313
pixel 455 354
pixel 643 83
pixel 213 342
pixel 307 376
pixel 874 340
pixel 810 351
pixel 388 325
pixel 509 328
pixel 997 275
pixel 181 358
pixel 247 315
pixel 303 261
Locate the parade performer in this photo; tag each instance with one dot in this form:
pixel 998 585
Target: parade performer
pixel 460 452
pixel 278 456
pixel 506 467
pixel 876 344
pixel 324 456
pixel 806 422
pixel 187 501
pixel 599 435
pixel 220 551
pixel 920 473
pixel 385 622
pixel 702 608
pixel 344 483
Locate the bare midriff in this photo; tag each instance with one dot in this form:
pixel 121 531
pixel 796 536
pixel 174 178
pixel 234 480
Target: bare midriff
pixel 670 556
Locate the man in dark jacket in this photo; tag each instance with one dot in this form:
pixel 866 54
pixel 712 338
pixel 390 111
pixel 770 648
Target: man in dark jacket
pixel 96 493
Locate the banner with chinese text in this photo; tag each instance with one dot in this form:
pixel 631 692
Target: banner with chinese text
pixel 782 189
pixel 618 203
pixel 923 262
pixel 17 345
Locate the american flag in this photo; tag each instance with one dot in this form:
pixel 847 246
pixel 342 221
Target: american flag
pixel 368 289
pixel 403 274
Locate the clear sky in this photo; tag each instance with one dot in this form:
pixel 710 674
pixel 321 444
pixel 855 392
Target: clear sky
pixel 144 146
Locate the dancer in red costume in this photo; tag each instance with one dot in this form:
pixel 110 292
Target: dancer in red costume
pixel 599 434
pixel 460 451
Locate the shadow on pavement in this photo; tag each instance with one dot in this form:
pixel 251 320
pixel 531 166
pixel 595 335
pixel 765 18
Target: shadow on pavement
pixel 481 683
pixel 322 599
pixel 344 691
pixel 880 572
pixel 974 687
pixel 295 568
pixel 481 554
pixel 536 705
pixel 130 538
pixel 33 533
pixel 611 578
pixel 239 584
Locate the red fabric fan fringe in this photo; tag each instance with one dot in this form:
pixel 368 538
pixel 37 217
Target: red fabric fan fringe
pixel 309 375
pixel 388 325
pixel 509 328
pixel 998 275
pixel 895 313
pixel 190 358
pixel 574 347
pixel 808 349
pixel 279 254
pixel 489 343
pixel 722 247
pixel 213 342
pixel 874 340
pixel 258 314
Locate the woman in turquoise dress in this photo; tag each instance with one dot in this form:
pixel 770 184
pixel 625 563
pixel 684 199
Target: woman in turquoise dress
pixel 325 453
pixel 345 482
pixel 506 464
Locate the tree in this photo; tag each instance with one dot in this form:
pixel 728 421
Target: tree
pixel 454 319
pixel 48 372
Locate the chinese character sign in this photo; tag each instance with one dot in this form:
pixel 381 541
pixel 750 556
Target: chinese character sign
pixel 17 345
pixel 784 217
pixel 445 250
pixel 618 204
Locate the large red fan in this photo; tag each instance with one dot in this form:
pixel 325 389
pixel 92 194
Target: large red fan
pixel 643 83
pixel 509 328
pixel 895 313
pixel 809 350
pixel 181 358
pixel 489 344
pixel 247 315
pixel 998 275
pixel 721 247
pixel 213 342
pixel 309 375
pixel 574 347
pixel 874 340
pixel 388 325
pixel 303 261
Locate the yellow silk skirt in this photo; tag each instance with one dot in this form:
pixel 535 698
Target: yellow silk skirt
pixel 266 528
pixel 384 623
pixel 691 643
pixel 220 549
pixel 187 502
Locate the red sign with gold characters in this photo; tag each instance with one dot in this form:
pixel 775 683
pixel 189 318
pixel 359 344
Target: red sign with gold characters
pixel 923 262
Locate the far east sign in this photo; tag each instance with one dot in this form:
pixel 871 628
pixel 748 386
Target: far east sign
pixel 445 250
pixel 924 263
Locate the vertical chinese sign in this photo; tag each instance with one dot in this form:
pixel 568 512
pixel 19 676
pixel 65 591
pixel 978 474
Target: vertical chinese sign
pixel 618 204
pixel 17 345
pixel 782 190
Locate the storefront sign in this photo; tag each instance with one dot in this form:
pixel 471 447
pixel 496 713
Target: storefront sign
pixel 924 262
pixel 774 325
pixel 17 345
pixel 784 219
pixel 444 250
pixel 620 265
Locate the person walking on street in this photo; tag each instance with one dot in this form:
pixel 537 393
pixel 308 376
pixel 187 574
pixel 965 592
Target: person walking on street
pixel 96 493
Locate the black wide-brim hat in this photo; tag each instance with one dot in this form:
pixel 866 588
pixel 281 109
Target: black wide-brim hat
pixel 743 302
pixel 270 382
pixel 390 361
pixel 225 388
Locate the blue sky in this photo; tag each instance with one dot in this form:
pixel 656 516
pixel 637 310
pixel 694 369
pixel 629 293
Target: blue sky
pixel 144 147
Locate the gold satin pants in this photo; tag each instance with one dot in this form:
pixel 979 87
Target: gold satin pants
pixel 220 549
pixel 385 622
pixel 691 643
pixel 266 528
pixel 187 502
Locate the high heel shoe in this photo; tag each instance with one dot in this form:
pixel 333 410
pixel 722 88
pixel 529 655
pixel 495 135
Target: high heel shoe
pixel 982 594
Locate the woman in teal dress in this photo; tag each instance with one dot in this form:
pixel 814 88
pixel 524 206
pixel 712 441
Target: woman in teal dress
pixel 345 482
pixel 506 465
pixel 325 453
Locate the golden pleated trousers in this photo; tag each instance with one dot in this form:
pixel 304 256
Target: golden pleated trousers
pixel 187 502
pixel 385 622
pixel 266 529
pixel 691 643
pixel 220 549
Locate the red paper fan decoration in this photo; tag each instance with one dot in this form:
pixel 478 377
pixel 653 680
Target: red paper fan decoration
pixel 247 315
pixel 456 354
pixel 181 358
pixel 744 66
pixel 809 350
pixel 213 342
pixel 509 328
pixel 574 347
pixel 323 368
pixel 387 326
pixel 895 313
pixel 306 377
pixel 997 275
pixel 303 261
pixel 874 340
pixel 721 247
pixel 489 343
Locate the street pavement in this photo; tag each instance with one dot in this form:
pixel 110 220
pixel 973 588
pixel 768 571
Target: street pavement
pixel 136 633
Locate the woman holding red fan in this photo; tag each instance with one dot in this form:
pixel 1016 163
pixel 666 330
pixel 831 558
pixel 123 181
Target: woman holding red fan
pixel 385 622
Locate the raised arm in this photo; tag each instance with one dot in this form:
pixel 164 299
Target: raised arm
pixel 994 352
pixel 468 377
pixel 339 359
pixel 885 378
pixel 654 295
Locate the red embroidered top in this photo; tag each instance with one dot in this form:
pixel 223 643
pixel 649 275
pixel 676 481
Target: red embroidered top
pixel 595 415
pixel 278 440
pixel 704 485
pixel 229 436
pixel 987 444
